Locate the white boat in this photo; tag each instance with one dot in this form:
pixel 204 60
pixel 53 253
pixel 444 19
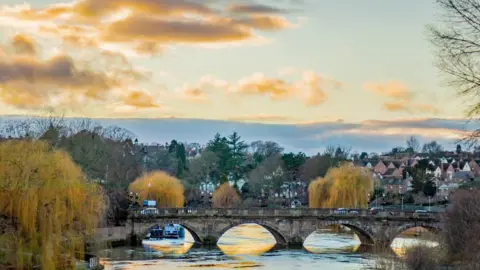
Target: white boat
pixel 170 235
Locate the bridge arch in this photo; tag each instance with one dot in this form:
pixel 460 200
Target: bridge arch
pixel 271 228
pixel 432 228
pixel 192 232
pixel 365 234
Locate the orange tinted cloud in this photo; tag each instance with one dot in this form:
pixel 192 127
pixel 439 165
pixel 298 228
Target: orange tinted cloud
pixel 411 108
pixel 140 99
pixel 310 88
pixel 32 83
pixel 142 28
pixel 392 89
pixel 23 45
pixel 403 98
pixel 150 22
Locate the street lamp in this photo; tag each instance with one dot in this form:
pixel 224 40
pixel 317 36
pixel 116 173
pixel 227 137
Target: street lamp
pixel 429 208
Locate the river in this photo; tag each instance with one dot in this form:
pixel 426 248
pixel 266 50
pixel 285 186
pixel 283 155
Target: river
pixel 250 246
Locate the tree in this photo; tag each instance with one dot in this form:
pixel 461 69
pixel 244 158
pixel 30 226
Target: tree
pixel 458 50
pixel 237 149
pixel 433 148
pixel 268 176
pixel 317 166
pixel 225 196
pixel 413 144
pixel 161 187
pixel 363 156
pixel 429 188
pixel 459 149
pixel 262 150
pixel 462 227
pixel 219 146
pixel 419 174
pixel 200 170
pixel 48 206
pixel 343 186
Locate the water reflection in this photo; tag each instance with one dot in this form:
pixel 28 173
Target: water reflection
pixel 323 241
pixel 246 239
pixel 250 246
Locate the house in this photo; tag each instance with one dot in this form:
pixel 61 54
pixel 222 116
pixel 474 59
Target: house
pixel 380 167
pixel 465 167
pixel 475 167
pixel 448 171
pixel 462 177
pixel 392 185
pixel 393 173
pixel 438 172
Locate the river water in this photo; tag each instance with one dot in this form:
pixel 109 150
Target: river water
pixel 250 246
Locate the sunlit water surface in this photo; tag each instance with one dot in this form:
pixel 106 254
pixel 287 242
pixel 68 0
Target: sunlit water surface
pixel 250 246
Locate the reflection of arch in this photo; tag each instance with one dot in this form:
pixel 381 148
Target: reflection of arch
pixel 191 231
pixel 365 236
pixel 430 228
pixel 279 238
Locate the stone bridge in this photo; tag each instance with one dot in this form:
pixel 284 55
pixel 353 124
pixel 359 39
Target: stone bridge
pixel 290 227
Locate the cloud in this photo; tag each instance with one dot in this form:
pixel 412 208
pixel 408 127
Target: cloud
pixel 23 44
pixel 30 82
pixel 411 108
pixel 403 98
pixel 255 9
pixel 199 91
pixel 167 31
pixel 146 25
pixel 310 88
pixel 392 89
pixel 139 99
pixel 262 118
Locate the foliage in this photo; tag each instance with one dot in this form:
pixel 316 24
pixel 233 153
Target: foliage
pixel 343 186
pixel 268 177
pixel 237 149
pixel 455 38
pixel 429 188
pixel 413 144
pixel 161 187
pixel 462 227
pixel 225 196
pixel 433 148
pixel 318 166
pixel 262 150
pixel 49 206
pixel 200 170
pixel 419 175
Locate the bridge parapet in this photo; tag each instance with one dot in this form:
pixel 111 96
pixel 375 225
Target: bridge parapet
pixel 281 213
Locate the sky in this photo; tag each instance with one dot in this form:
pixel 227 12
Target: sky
pixel 287 62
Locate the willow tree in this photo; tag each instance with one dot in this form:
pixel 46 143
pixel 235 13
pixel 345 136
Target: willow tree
pixel 161 187
pixel 225 196
pixel 47 208
pixel 343 186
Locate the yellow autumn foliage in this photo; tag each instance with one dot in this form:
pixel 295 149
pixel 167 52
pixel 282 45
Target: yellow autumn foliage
pixel 225 196
pixel 47 208
pixel 343 186
pixel 161 187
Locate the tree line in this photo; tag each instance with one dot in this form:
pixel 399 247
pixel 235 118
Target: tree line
pixel 112 157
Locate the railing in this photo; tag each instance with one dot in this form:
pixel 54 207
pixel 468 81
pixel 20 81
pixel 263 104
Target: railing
pixel 265 213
